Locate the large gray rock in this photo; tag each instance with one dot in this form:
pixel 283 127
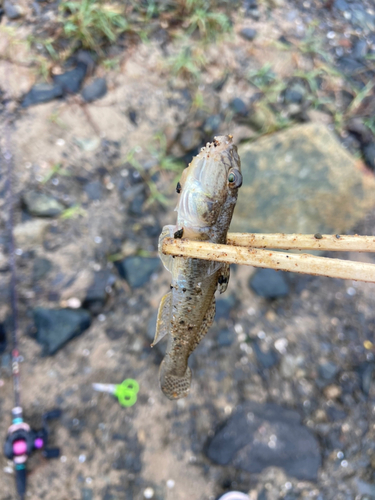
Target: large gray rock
pixel 55 327
pixel 259 436
pixel 42 205
pixel 301 180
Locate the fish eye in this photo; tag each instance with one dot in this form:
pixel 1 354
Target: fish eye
pixel 235 179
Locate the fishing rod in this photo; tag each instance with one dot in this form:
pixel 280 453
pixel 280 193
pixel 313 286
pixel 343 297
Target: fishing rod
pixel 21 439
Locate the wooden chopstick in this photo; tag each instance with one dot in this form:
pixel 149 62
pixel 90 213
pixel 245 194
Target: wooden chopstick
pixel 299 263
pixel 325 242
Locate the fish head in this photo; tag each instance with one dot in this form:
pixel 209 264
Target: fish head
pixel 208 187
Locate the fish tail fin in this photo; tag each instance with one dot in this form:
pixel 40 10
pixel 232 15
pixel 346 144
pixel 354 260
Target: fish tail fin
pixel 174 386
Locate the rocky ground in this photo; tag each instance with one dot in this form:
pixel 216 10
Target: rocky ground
pixel 282 401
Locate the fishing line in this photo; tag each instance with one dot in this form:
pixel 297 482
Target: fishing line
pixel 21 440
pixel 7 155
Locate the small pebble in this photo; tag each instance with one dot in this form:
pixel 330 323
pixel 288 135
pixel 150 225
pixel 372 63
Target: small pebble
pixel 148 493
pixel 60 142
pixel 74 303
pixel 170 483
pixel 12 11
pixel 281 345
pixel 248 34
pixel 82 459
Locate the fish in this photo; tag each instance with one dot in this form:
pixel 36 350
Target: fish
pixel 207 196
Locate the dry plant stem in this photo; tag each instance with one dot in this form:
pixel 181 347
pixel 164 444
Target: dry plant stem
pixel 298 263
pixel 325 242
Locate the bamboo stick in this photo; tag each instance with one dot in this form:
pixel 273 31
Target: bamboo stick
pixel 299 263
pixel 326 242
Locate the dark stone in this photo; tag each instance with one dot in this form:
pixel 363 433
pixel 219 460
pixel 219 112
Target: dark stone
pixel 87 494
pixel 239 107
pixel 212 124
pixel 131 459
pixel 266 359
pixel 250 4
pixel 361 18
pixel 349 65
pixel 328 371
pixel 367 490
pixel 253 13
pixel 41 92
pixel 190 139
pixel 237 443
pixel 3 338
pixel 294 94
pixel 12 11
pixel 114 334
pixel 96 294
pixel 94 190
pixel 334 414
pixel 136 205
pixel 360 49
pixel 71 80
pixel 248 34
pixel 137 270
pixel 366 373
pixel 152 230
pixel 41 205
pixel 95 90
pixel 133 117
pixel 269 283
pixel 224 305
pixel 369 155
pixel 284 40
pixel 341 5
pixel 41 268
pixel 225 338
pixel 55 327
pixel 360 130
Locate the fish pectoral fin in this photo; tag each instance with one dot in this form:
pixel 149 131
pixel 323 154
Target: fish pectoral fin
pixel 223 278
pixel 163 321
pixel 167 260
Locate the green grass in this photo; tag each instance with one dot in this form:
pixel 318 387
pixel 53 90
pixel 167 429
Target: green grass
pixel 208 24
pixel 187 63
pixel 93 23
pixel 73 212
pixel 165 166
pixel 56 169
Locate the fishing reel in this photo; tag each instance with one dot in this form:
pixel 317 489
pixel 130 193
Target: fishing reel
pixel 22 441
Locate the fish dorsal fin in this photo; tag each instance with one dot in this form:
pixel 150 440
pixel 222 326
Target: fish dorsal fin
pixel 163 322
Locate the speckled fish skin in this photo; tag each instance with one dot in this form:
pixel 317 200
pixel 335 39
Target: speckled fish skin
pixel 208 194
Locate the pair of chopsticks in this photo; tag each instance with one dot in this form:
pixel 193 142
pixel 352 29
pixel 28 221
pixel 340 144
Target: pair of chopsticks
pixel 249 249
